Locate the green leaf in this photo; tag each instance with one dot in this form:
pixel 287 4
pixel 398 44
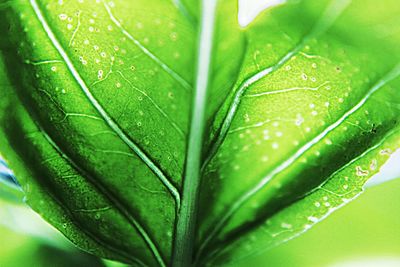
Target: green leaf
pixel 364 230
pixel 37 242
pixel 160 132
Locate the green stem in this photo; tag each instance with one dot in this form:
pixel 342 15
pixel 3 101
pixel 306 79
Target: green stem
pixel 186 220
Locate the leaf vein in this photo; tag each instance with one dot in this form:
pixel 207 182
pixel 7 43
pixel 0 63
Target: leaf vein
pixel 163 113
pixel 331 13
pixel 110 122
pixel 114 200
pixel 394 73
pixel 286 90
pixel 147 52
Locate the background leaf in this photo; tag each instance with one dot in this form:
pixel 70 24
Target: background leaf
pixel 363 231
pixel 37 242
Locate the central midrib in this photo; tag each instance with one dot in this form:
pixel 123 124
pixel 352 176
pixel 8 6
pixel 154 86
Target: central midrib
pixel 182 254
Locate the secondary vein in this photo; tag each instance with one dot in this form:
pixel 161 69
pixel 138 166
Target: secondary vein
pixel 183 9
pixel 287 163
pixel 118 205
pixel 110 122
pixel 147 52
pixel 220 250
pixel 328 17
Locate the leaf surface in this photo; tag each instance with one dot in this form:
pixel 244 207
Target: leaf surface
pixel 98 122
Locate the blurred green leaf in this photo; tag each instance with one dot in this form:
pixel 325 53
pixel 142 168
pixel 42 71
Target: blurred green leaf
pixel 368 228
pixel 27 239
pixel 23 250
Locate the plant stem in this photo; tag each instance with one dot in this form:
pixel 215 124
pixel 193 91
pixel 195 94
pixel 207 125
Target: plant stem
pixel 182 255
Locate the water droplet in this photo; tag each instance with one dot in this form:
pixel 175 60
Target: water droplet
pixel 286 225
pixel 62 16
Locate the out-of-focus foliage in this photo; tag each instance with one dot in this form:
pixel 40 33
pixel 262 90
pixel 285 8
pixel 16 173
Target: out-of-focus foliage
pixel 26 240
pixel 365 229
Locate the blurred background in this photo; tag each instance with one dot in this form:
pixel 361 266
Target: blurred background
pixel 364 233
